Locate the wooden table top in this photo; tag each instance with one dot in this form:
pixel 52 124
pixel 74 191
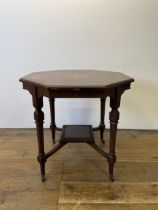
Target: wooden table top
pixel 76 79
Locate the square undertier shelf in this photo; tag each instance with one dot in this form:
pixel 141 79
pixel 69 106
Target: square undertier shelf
pixel 77 133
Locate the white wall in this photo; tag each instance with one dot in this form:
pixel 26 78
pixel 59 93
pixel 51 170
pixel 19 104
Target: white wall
pixel 37 35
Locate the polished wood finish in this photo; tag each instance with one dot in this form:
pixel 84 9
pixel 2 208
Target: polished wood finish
pixel 76 84
pixel 77 134
pixel 39 118
pixel 52 114
pixel 114 117
pixel 102 116
pixel 77 175
pixel 76 79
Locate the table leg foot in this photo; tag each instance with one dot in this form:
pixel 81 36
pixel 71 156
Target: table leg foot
pixel 42 160
pixel 111 160
pixel 111 177
pixel 102 141
pixel 43 178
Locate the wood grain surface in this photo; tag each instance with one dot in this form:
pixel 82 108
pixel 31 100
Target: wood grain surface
pixel 76 78
pixel 77 175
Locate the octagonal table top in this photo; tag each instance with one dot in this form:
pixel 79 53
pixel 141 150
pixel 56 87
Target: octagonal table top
pixel 76 78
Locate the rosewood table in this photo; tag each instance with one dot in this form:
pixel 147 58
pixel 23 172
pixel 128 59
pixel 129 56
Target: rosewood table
pixel 76 84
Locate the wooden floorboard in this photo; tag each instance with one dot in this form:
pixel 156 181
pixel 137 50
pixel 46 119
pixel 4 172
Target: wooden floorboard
pixel 107 206
pixel 105 192
pixel 77 176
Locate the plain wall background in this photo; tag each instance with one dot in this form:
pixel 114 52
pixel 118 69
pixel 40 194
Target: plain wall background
pixel 38 35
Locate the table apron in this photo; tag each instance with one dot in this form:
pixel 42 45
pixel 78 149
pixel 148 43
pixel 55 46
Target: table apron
pixel 79 93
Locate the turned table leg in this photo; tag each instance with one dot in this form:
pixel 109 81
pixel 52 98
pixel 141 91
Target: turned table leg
pixel 39 117
pixel 52 114
pixel 102 116
pixel 114 117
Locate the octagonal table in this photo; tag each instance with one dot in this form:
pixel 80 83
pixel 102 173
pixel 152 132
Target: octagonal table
pixel 76 84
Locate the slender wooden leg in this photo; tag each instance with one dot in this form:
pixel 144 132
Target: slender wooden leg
pixel 102 116
pixel 52 113
pixel 39 117
pixel 114 117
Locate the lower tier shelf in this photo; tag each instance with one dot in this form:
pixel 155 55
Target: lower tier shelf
pixel 77 133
